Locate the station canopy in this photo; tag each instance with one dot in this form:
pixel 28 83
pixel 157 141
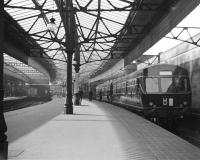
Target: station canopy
pixel 26 72
pixel 98 24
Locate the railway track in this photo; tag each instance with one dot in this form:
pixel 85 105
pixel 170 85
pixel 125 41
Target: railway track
pixel 15 105
pixel 189 129
pixel 191 136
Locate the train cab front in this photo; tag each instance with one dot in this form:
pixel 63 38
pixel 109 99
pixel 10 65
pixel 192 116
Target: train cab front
pixel 167 105
pixel 167 96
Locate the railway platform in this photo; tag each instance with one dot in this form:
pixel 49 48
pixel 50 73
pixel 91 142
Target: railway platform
pixel 96 131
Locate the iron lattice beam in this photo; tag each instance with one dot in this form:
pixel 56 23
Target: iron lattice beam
pixel 133 6
pixel 97 43
pixel 186 31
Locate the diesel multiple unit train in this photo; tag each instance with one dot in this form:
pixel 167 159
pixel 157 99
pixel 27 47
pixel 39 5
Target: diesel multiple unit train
pixel 160 91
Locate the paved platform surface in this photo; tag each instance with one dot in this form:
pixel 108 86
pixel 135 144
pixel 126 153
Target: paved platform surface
pixel 96 131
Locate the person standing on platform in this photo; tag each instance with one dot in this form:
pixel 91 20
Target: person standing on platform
pixel 80 96
pixel 90 95
pixel 100 95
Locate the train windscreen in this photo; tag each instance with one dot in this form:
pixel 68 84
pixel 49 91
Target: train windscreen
pixel 174 84
pixel 167 84
pixel 152 85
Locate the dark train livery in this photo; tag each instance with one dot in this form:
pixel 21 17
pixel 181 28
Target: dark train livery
pixel 157 91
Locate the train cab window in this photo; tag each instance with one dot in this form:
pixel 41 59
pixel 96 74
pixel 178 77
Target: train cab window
pixel 178 85
pixel 165 83
pixel 152 85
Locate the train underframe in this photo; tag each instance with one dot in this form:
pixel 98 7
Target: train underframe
pixel 164 116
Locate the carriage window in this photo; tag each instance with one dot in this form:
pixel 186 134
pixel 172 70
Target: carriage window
pixel 152 85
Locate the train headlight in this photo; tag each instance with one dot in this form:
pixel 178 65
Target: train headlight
pixel 150 103
pixel 185 103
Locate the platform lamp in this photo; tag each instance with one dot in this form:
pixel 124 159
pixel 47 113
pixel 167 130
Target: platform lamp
pixel 51 26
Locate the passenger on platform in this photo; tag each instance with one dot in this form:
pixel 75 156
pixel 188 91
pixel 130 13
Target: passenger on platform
pixel 111 92
pixel 100 95
pixel 108 95
pixel 90 95
pixel 80 96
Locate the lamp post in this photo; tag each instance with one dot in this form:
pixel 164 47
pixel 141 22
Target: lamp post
pixel 69 103
pixel 3 127
pixel 51 25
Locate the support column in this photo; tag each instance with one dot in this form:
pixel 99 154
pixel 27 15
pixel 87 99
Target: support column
pixel 3 127
pixel 69 25
pixel 69 103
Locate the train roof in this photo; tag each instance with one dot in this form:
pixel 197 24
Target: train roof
pixel 161 64
pixel 139 72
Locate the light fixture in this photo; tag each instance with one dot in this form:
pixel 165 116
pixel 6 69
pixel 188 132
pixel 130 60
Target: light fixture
pixel 51 26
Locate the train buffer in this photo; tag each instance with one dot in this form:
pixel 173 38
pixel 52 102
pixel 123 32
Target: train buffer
pixel 96 131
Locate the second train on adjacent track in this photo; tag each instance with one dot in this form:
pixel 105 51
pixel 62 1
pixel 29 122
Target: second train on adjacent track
pixel 159 91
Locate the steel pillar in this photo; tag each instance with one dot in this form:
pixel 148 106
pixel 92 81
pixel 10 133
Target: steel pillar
pixel 3 127
pixel 70 29
pixel 69 103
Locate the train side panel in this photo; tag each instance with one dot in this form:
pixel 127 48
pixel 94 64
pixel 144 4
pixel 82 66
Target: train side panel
pixel 134 91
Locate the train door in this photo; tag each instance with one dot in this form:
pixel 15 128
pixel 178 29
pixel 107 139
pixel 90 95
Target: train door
pixel 138 94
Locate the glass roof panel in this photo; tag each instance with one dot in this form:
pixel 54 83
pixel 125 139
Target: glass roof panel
pixel 95 27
